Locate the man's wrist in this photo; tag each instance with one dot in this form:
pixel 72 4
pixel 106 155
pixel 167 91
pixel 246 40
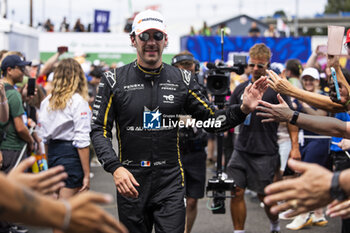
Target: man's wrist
pixel 54 213
pixel 116 169
pixel 245 109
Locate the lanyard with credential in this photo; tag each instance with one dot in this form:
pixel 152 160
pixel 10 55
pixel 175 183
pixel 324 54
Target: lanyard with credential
pixel 248 117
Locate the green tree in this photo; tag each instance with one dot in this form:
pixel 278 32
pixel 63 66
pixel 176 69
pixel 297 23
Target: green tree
pixel 335 6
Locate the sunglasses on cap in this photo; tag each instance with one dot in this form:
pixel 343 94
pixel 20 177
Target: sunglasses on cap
pixel 145 36
pixel 260 66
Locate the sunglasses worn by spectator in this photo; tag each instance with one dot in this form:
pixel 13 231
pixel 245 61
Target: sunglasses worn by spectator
pixel 145 36
pixel 260 66
pixel 21 68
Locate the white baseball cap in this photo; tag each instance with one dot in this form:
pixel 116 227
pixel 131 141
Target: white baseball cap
pixel 146 20
pixel 311 72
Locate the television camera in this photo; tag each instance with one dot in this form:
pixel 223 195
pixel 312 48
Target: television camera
pixel 218 80
pixel 218 85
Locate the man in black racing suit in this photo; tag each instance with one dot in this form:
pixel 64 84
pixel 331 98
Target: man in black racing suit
pixel 144 98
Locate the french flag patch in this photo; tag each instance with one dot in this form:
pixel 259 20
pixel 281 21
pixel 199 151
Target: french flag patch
pixel 145 163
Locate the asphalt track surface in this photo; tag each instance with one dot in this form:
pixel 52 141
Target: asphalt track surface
pixel 207 222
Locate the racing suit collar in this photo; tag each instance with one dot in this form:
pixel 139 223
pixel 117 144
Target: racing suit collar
pixel 149 74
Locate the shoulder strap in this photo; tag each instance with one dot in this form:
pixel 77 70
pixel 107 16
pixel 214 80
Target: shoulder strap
pixel 9 87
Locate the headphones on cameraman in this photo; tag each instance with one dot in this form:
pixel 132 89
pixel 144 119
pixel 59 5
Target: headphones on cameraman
pixel 186 57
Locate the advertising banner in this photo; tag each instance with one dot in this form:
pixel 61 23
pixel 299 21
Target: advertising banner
pixel 208 48
pixel 101 21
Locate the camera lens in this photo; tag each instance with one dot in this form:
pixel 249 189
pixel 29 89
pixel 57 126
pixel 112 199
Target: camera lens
pixel 217 84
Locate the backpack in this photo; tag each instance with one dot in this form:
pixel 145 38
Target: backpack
pixel 3 132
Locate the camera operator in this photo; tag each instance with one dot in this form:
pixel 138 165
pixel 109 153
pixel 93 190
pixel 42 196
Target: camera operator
pixel 192 146
pixel 255 158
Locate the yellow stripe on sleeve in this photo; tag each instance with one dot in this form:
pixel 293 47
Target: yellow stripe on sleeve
pixel 179 159
pixel 119 143
pixel 106 116
pixel 201 101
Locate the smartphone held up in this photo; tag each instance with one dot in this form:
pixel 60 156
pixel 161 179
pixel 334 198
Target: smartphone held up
pixel 62 49
pixel 31 87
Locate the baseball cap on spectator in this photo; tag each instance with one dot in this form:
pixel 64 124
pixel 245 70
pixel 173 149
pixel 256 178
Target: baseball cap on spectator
pixel 97 72
pixel 347 36
pixel 12 61
pixel 146 20
pixel 277 67
pixel 36 62
pixel 312 72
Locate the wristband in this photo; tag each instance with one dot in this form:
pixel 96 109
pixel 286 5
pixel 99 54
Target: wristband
pixel 67 216
pixel 294 118
pixel 336 191
pixel 5 102
pixel 347 103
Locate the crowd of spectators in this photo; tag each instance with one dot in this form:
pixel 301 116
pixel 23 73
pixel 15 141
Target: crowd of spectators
pixel 55 75
pixel 20 115
pixel 64 26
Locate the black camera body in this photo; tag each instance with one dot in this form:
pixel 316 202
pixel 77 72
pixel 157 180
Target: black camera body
pixel 218 85
pixel 218 80
pixel 218 187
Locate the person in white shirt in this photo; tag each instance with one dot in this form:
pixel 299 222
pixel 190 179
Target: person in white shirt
pixel 64 119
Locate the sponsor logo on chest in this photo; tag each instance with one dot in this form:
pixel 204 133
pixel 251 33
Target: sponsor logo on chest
pixel 168 86
pixel 134 87
pixel 169 99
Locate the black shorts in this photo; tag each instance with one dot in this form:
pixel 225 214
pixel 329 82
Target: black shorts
pixel 160 201
pixel 212 136
pixel 9 159
pixel 340 160
pixel 194 164
pixel 65 154
pixel 252 171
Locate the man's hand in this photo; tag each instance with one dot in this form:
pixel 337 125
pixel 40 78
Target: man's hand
pixel 88 217
pixel 275 112
pixel 344 144
pixel 45 182
pixel 341 209
pixel 125 182
pixel 302 194
pixel 252 94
